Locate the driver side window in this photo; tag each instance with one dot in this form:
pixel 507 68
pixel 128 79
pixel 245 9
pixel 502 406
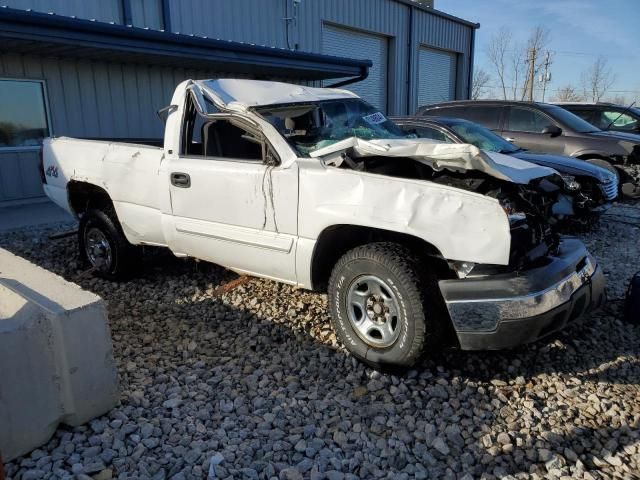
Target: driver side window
pixel 218 138
pixel 526 120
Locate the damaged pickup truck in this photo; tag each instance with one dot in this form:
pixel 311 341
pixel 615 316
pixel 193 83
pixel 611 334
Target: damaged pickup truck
pixel 416 242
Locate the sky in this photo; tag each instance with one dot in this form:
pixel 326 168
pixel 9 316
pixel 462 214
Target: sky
pixel 580 31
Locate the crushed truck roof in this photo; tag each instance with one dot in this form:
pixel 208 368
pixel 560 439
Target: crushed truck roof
pixel 246 93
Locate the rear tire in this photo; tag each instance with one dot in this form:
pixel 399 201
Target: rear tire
pixel 384 305
pixel 104 247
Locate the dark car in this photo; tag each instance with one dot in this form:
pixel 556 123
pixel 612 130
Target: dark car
pixel 607 116
pixel 547 128
pixel 597 185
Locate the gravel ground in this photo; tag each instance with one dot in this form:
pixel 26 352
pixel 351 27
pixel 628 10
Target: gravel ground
pixel 255 384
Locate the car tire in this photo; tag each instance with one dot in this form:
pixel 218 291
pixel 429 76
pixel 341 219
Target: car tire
pixel 384 304
pixel 104 247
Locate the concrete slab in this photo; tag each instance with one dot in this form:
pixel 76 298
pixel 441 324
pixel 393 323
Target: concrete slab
pixel 56 358
pixel 32 214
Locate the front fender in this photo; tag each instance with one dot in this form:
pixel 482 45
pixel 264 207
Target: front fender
pixel 462 225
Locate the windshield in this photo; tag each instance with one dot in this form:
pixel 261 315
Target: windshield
pixel 569 120
pixel 311 126
pixel 481 137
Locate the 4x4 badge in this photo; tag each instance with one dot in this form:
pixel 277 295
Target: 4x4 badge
pixel 52 171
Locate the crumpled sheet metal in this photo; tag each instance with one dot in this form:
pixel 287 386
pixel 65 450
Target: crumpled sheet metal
pixel 461 225
pixel 440 156
pixel 245 93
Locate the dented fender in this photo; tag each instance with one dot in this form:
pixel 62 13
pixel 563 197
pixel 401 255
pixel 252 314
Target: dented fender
pixel 462 225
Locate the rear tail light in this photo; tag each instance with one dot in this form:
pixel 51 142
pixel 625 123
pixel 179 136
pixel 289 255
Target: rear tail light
pixel 43 177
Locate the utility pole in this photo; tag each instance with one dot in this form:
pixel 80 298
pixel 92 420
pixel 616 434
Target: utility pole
pixel 546 76
pixel 532 71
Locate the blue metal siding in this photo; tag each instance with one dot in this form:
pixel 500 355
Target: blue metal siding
pixel 262 22
pixel 445 34
pixel 147 14
pixel 100 10
pixel 87 99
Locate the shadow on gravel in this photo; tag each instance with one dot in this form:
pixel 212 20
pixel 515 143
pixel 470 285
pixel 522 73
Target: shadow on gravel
pixel 218 377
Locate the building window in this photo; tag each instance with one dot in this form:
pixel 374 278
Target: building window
pixel 23 116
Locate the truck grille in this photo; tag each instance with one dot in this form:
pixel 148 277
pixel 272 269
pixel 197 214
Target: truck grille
pixel 610 190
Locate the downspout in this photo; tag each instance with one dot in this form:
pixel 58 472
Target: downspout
pixel 472 54
pixel 410 78
pixel 364 73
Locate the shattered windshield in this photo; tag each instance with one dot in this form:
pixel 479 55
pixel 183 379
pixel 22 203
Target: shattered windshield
pixel 311 126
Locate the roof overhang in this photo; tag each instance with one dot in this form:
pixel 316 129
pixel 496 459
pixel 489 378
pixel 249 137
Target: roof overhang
pixel 52 35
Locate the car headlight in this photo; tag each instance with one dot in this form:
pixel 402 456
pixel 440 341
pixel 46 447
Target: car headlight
pixel 570 183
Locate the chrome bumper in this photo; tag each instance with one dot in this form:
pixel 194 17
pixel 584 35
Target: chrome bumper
pixel 505 310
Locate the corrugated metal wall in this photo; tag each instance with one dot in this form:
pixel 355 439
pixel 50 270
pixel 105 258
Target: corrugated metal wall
pixel 445 34
pixel 263 22
pixel 218 18
pixel 147 13
pixel 101 10
pixel 98 99
pixel 88 99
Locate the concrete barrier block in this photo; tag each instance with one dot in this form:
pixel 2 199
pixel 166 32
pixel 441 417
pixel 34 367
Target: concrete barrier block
pixel 56 358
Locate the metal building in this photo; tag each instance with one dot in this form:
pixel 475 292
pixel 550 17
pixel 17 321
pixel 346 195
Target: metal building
pixel 102 68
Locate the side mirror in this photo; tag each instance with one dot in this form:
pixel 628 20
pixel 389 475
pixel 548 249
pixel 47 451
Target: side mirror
pixel 552 130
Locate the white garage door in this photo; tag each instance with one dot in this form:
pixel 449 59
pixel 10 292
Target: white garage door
pixel 437 76
pixel 342 42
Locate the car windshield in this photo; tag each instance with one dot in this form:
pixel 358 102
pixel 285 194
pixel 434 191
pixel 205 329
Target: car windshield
pixel 311 126
pixel 481 137
pixel 568 119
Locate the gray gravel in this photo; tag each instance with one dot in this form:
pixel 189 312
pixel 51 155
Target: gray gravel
pixel 254 385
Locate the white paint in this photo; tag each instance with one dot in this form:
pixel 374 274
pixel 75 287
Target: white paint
pixel 440 156
pixel 265 220
pixel 242 94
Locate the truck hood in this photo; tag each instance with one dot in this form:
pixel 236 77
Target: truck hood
pixel 439 156
pixel 567 165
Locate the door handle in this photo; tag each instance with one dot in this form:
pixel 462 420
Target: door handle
pixel 510 139
pixel 182 180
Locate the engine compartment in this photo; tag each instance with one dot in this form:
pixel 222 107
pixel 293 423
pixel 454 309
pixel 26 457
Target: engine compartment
pixel 529 208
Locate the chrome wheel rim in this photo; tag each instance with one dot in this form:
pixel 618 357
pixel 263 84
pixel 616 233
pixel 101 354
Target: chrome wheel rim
pixel 98 249
pixel 373 311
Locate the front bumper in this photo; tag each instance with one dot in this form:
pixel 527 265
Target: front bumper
pixel 505 310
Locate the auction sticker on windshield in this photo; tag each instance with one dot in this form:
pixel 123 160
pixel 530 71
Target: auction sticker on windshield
pixel 375 118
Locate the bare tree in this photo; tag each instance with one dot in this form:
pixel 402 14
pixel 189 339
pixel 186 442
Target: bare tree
pixel 497 53
pixel 567 94
pixel 481 80
pixel 597 80
pixel 510 59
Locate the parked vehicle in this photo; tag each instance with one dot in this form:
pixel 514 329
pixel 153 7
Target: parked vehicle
pixel 547 128
pixel 414 240
pixel 606 116
pixel 589 185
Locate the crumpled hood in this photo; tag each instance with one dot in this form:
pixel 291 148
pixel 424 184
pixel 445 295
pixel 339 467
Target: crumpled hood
pixel 439 156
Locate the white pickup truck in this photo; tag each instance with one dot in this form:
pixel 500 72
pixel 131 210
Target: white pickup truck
pixel 417 242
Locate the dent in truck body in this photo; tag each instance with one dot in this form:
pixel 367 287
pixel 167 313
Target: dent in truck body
pixel 462 225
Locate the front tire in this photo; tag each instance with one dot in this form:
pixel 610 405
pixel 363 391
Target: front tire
pixel 383 304
pixel 104 247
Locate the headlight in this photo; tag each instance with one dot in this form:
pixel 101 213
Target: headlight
pixel 570 183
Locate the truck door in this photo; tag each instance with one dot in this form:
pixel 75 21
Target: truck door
pixel 232 204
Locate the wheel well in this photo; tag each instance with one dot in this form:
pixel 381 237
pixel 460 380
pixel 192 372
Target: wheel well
pixel 83 195
pixel 337 240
